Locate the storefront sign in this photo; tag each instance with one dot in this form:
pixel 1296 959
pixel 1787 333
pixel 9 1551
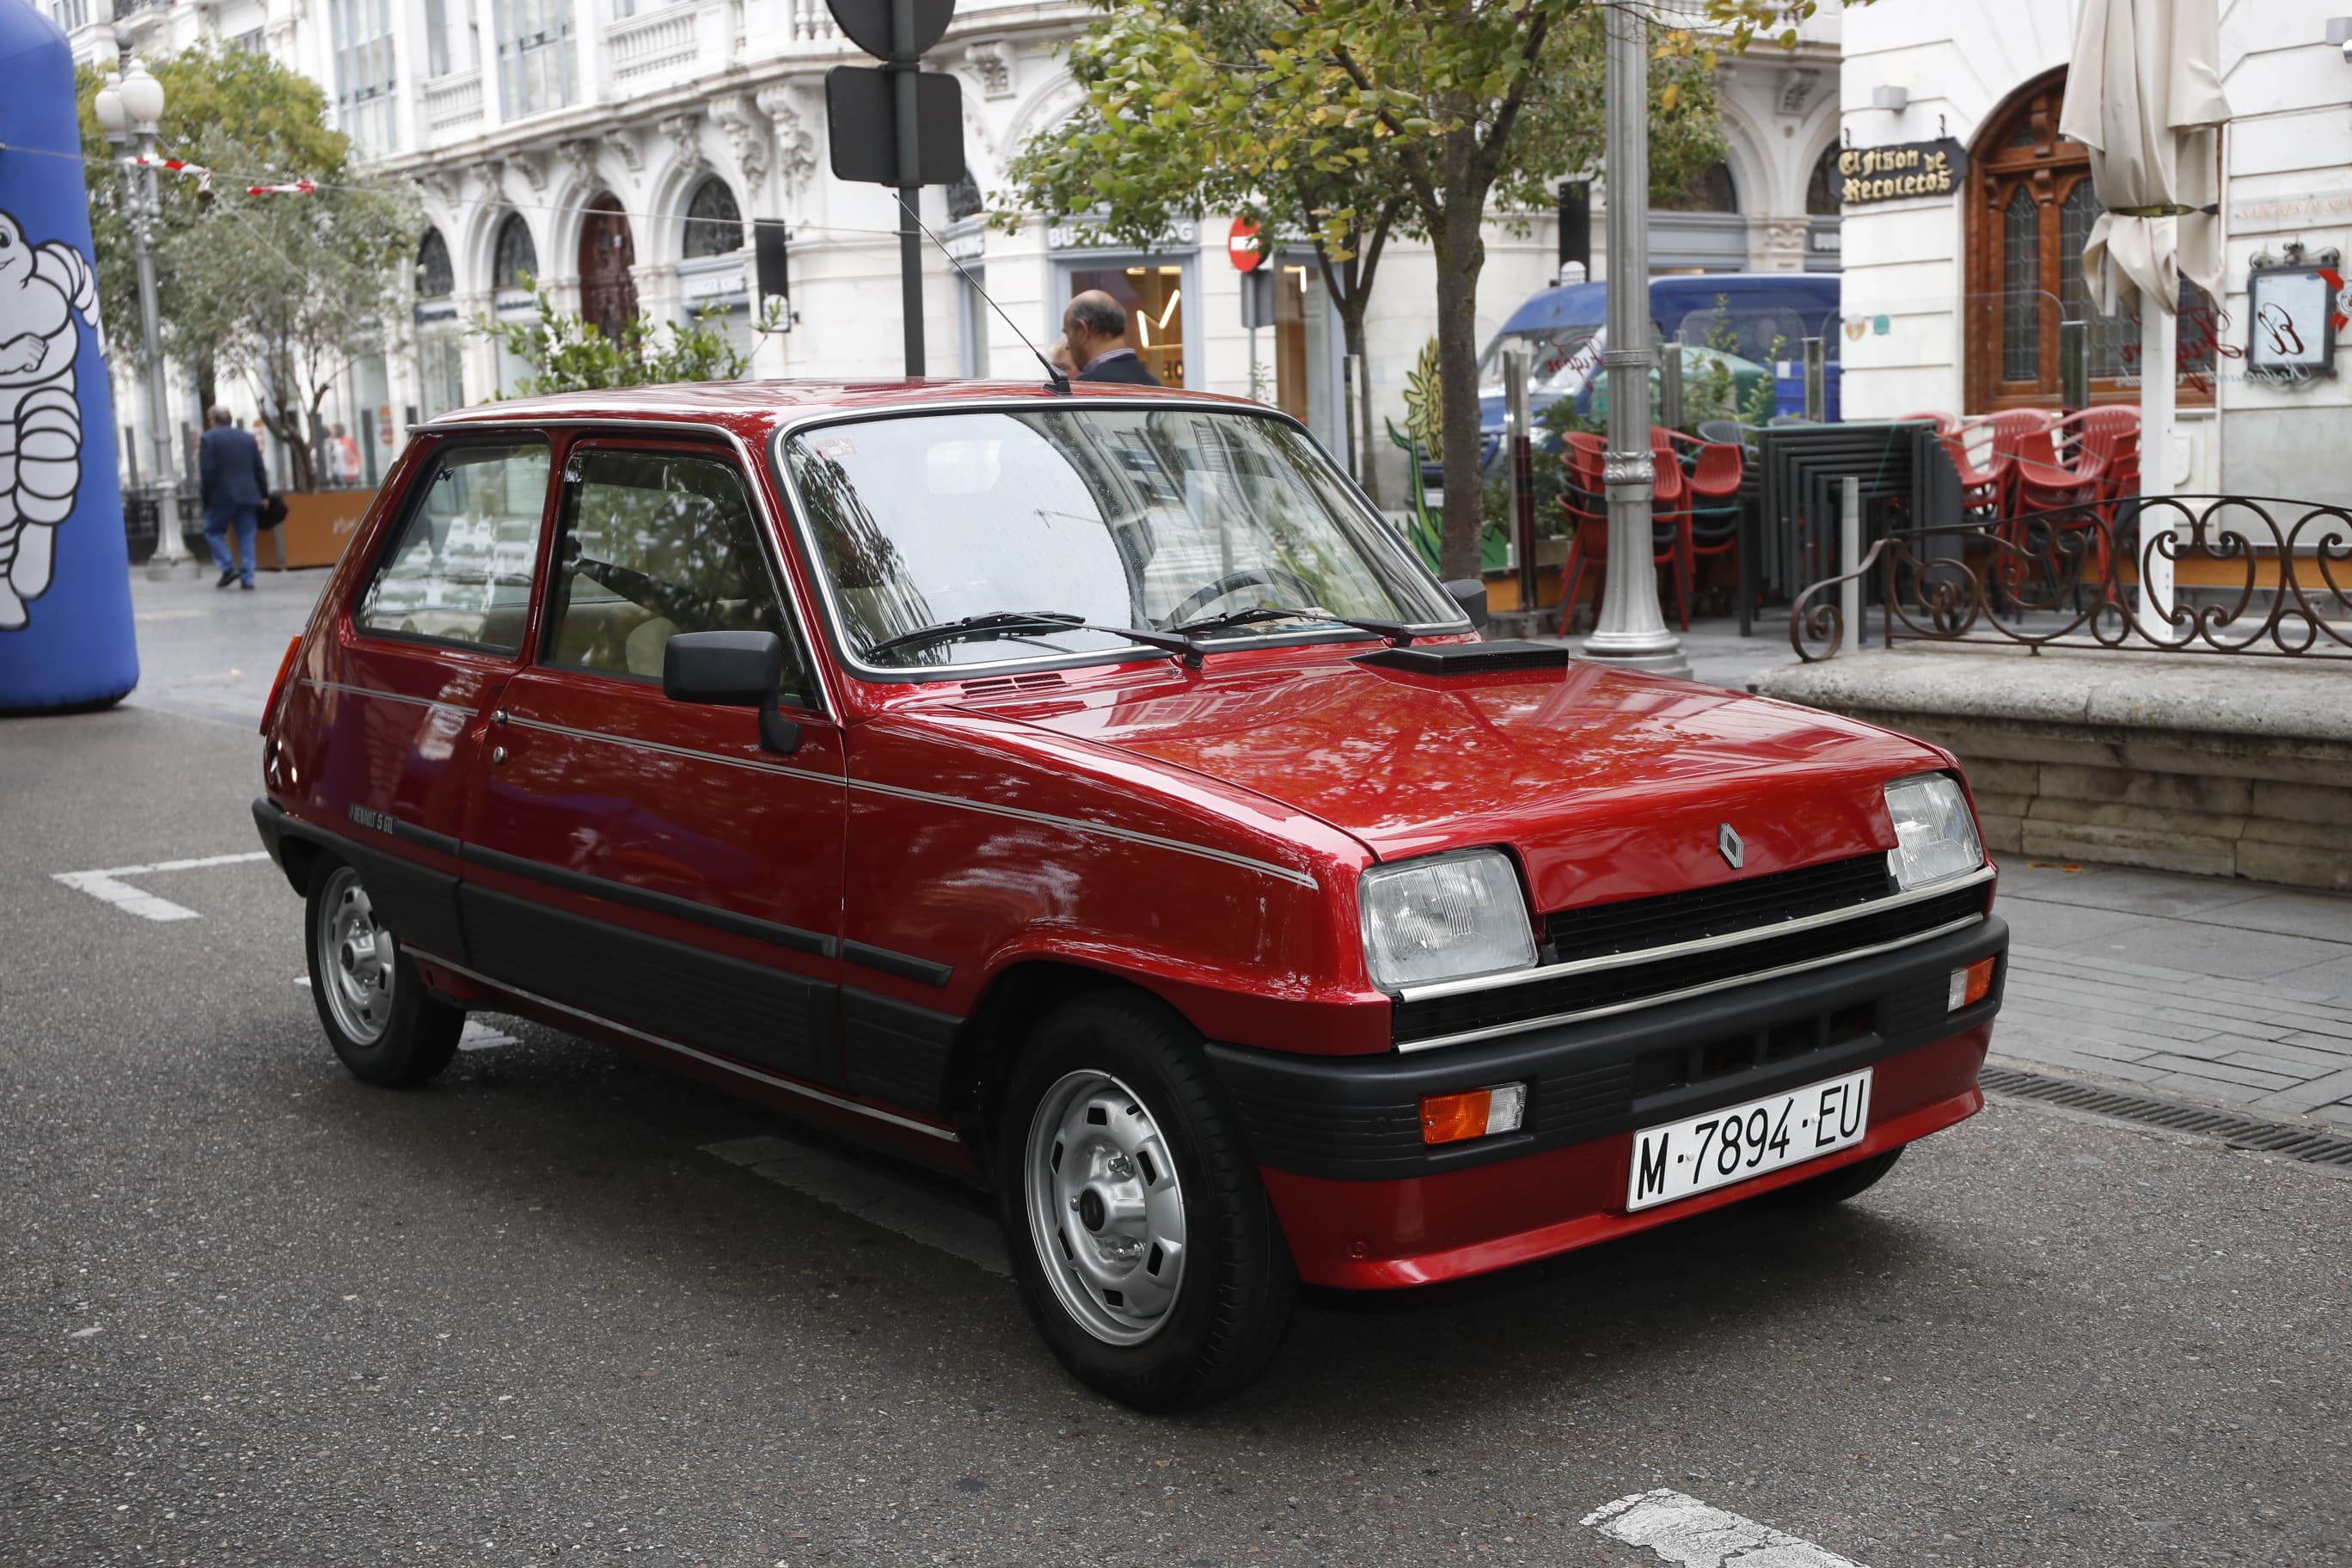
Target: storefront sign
pixel 730 283
pixel 1086 234
pixel 1908 169
pixel 2328 206
pixel 2293 321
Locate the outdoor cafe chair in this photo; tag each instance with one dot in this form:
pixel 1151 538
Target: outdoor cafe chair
pixel 1713 510
pixel 1586 502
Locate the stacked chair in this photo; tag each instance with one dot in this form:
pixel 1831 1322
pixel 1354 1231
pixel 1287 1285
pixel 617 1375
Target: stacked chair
pixel 1695 513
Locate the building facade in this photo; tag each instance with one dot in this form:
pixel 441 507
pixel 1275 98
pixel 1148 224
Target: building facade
pixel 616 153
pixel 1953 297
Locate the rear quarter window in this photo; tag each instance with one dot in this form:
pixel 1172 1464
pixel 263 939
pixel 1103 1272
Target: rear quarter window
pixel 459 569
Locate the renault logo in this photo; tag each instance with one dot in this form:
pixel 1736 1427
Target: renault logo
pixel 1728 842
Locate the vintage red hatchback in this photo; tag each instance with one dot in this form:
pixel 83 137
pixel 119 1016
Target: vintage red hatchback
pixel 1090 797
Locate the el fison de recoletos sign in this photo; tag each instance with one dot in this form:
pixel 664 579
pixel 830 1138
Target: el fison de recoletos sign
pixel 1868 174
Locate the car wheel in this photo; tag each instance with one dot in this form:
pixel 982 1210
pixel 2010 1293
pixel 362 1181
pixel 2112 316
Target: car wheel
pixel 1145 1246
pixel 1836 1186
pixel 370 998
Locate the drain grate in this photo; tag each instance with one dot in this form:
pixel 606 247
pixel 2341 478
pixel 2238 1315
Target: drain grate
pixel 2307 1143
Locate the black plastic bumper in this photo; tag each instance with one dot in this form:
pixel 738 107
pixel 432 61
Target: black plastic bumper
pixel 1359 1117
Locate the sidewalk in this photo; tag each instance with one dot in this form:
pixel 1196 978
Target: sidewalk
pixel 2190 987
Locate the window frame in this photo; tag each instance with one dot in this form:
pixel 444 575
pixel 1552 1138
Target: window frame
pixel 412 502
pixel 563 492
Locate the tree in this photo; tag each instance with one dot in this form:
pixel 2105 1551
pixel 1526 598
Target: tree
pixel 1170 128
pixel 284 290
pixel 569 353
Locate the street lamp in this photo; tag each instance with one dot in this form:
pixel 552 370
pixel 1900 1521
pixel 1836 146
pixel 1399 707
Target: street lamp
pixel 1630 630
pixel 129 106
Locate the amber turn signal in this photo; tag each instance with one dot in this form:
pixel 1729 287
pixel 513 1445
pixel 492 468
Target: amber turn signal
pixel 1476 1113
pixel 1969 985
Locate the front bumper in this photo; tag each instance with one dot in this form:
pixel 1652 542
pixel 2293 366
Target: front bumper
pixel 1365 1203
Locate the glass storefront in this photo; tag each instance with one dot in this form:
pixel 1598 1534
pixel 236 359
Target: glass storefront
pixel 1153 294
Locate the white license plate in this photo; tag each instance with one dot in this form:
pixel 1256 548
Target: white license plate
pixel 1743 1140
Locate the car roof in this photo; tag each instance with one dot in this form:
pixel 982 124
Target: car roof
pixel 752 408
pixel 1587 304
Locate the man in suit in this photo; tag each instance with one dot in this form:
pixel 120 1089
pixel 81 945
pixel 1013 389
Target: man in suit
pixel 1096 326
pixel 233 484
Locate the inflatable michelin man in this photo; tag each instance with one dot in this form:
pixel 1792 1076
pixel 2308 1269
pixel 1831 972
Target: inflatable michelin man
pixel 43 288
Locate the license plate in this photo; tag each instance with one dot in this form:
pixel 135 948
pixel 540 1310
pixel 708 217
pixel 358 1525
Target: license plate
pixel 1743 1140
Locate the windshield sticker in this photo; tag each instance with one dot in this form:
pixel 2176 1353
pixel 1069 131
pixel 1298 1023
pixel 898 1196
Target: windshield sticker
pixel 835 446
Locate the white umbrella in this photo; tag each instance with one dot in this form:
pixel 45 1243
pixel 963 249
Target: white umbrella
pixel 2144 94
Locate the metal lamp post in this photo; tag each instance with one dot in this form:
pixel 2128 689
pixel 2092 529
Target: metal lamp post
pixel 1630 630
pixel 129 106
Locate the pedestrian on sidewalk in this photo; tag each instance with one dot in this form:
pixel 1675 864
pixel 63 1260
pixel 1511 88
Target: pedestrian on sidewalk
pixel 233 485
pixel 342 459
pixel 1096 326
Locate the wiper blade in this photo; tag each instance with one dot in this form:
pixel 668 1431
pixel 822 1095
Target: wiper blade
pixel 1010 623
pixel 990 625
pixel 1396 632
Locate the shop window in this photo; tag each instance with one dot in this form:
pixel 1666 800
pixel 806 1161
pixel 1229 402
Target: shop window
pixel 435 279
pixel 514 260
pixel 1153 296
pixel 714 224
pixel 1822 185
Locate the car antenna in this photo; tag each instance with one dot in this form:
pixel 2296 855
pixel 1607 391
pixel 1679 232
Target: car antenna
pixel 1056 381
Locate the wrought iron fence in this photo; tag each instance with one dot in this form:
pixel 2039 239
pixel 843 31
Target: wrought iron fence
pixel 2253 575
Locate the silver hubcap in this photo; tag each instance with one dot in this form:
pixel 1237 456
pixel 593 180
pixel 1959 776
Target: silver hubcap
pixel 1106 1210
pixel 355 959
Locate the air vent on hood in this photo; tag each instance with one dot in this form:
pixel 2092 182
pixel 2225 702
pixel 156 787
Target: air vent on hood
pixel 1469 657
pixel 1004 683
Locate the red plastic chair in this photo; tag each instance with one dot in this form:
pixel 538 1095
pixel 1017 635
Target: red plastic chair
pixel 1945 423
pixel 2092 440
pixel 1983 488
pixel 1715 474
pixel 1586 504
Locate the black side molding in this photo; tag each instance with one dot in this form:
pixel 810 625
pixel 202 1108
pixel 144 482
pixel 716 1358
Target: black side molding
pixel 727 921
pixel 903 965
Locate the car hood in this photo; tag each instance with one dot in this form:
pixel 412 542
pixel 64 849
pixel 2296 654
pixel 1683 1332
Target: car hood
pixel 1607 783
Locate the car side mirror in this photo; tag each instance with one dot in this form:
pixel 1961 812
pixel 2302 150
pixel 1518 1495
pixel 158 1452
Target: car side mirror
pixel 732 669
pixel 1471 594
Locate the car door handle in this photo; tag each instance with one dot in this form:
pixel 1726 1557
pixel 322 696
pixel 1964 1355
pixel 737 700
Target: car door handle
pixel 498 715
pixel 498 753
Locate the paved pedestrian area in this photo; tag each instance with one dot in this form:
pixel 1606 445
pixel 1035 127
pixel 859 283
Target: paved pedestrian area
pixel 2189 987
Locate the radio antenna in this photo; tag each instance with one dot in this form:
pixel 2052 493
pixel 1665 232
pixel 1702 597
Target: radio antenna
pixel 1056 381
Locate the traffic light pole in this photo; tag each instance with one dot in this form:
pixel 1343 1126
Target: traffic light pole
pixel 905 61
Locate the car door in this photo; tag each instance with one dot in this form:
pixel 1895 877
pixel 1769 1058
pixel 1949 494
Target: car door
pixel 393 718
pixel 643 861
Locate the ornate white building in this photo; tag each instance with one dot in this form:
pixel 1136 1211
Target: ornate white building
pixel 619 152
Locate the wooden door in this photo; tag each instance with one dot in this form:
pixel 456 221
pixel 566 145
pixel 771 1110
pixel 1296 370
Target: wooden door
pixel 608 287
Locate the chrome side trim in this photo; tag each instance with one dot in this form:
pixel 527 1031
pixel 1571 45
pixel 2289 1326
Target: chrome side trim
pixel 388 696
pixel 786 769
pixel 1079 825
pixel 790 1085
pixel 1696 944
pixel 1468 1036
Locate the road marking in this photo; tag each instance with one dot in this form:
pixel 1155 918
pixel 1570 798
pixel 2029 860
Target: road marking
pixel 894 1202
pixel 1692 1534
pixel 108 885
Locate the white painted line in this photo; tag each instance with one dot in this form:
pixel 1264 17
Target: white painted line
pixel 880 1197
pixel 480 1036
pixel 108 885
pixel 1689 1533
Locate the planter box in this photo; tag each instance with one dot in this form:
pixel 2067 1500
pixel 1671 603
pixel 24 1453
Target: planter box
pixel 317 527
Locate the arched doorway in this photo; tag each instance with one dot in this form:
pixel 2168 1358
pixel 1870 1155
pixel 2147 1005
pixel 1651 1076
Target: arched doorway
pixel 608 290
pixel 2030 208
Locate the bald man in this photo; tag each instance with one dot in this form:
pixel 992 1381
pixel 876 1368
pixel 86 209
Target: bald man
pixel 1096 326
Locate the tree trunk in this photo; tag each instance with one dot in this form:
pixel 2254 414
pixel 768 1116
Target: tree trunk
pixel 1460 254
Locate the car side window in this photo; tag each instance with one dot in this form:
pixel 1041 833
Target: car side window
pixel 461 569
pixel 655 543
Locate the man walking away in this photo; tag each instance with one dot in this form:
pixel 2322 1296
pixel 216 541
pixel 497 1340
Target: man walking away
pixel 1096 326
pixel 233 484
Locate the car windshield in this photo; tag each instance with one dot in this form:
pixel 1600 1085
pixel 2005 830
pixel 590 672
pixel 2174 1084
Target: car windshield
pixel 1136 517
pixel 1560 359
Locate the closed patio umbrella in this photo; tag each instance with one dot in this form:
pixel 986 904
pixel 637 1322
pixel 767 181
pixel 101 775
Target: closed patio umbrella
pixel 2144 94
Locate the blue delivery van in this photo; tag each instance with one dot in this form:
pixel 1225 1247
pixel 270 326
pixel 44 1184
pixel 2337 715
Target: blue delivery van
pixel 1760 317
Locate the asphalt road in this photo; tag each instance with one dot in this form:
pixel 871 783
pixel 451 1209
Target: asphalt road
pixel 253 1311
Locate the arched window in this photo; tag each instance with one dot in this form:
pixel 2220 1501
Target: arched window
pixel 1822 187
pixel 2030 210
pixel 714 224
pixel 514 263
pixel 435 277
pixel 1711 190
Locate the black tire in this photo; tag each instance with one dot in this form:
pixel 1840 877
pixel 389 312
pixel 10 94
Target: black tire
pixel 1235 1284
pixel 400 1037
pixel 1836 1186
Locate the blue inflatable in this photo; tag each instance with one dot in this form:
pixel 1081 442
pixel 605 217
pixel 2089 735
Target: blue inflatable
pixel 66 638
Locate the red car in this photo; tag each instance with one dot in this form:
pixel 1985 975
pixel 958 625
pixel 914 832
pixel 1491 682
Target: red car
pixel 1090 797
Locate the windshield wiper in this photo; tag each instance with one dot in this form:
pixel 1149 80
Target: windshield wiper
pixel 1010 623
pixel 1397 632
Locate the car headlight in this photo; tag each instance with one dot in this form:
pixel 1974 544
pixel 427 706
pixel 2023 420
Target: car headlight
pixel 1448 917
pixel 1935 835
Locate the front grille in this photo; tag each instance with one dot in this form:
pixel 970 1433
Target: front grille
pixel 1633 924
pixel 1441 1017
pixel 1679 1067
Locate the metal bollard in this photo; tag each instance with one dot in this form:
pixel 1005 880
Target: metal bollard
pixel 1816 381
pixel 1670 384
pixel 1850 560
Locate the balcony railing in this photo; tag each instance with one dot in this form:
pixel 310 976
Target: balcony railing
pixel 453 99
pixel 660 41
pixel 2251 574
